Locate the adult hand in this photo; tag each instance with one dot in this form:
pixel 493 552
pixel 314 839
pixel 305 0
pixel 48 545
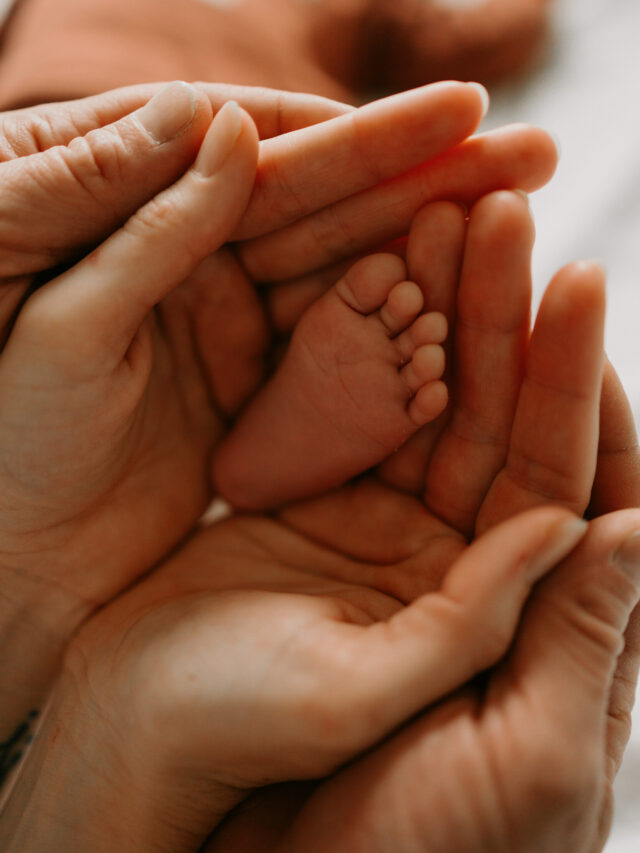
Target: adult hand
pixel 392 554
pixel 255 655
pixel 95 540
pixel 526 757
pixel 301 182
pixel 96 410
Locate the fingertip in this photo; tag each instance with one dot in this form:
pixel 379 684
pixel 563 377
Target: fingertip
pixel 169 112
pixel 627 557
pixel 483 96
pixel 230 124
pixel 561 538
pixel 537 148
pixel 580 286
pixel 504 209
pixel 448 216
pixel 501 228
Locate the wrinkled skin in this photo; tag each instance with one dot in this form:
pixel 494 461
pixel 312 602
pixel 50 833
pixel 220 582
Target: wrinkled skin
pixel 309 576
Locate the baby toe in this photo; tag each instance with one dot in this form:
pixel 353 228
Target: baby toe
pixel 426 365
pixel 403 305
pixel 430 328
pixel 367 285
pixel 430 401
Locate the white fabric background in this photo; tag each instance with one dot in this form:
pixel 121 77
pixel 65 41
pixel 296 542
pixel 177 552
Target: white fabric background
pixel 588 94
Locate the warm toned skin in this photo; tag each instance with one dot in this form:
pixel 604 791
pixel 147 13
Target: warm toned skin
pixel 330 611
pixel 170 372
pixel 360 376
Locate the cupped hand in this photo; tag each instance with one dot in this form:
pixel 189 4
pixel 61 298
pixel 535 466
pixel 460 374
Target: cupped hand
pixel 348 615
pixel 524 758
pixel 521 760
pixel 256 655
pixel 107 473
pixel 301 184
pixel 101 401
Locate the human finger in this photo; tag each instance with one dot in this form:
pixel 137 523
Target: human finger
pixel 276 112
pixel 35 129
pixel 516 156
pixel 553 446
pixel 92 312
pixel 69 197
pixel 320 165
pixel 617 480
pixel 573 633
pixel 617 486
pixel 443 639
pixel 434 255
pixel 490 340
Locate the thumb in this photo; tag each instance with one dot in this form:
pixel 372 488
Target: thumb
pixel 443 639
pixel 573 633
pixel 57 203
pixel 96 307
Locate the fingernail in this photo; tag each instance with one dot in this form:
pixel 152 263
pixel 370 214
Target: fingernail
pixel 562 539
pixel 556 142
pixel 220 140
pixel 484 96
pixel 169 112
pixel 627 556
pixel 526 198
pixel 596 262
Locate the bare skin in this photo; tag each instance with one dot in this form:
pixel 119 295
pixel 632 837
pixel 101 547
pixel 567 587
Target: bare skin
pixel 288 206
pixel 359 378
pixel 47 540
pixel 333 623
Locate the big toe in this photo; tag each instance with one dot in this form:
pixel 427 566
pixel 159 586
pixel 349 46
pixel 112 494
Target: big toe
pixel 367 285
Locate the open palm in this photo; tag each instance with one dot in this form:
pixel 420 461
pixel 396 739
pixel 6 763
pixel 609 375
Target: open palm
pixel 172 376
pixel 328 617
pixel 523 758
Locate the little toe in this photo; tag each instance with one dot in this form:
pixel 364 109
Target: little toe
pixel 403 305
pixel 430 328
pixel 430 401
pixel 367 285
pixel 426 365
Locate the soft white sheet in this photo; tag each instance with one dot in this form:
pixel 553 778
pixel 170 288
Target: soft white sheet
pixel 588 94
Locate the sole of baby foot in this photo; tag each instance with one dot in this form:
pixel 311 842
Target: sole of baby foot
pixel 361 375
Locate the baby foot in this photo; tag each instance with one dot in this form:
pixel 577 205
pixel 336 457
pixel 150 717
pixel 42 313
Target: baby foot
pixel 361 375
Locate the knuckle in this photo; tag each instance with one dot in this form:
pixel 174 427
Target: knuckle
pixel 593 642
pixel 541 478
pixel 163 217
pixel 488 630
pixel 97 164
